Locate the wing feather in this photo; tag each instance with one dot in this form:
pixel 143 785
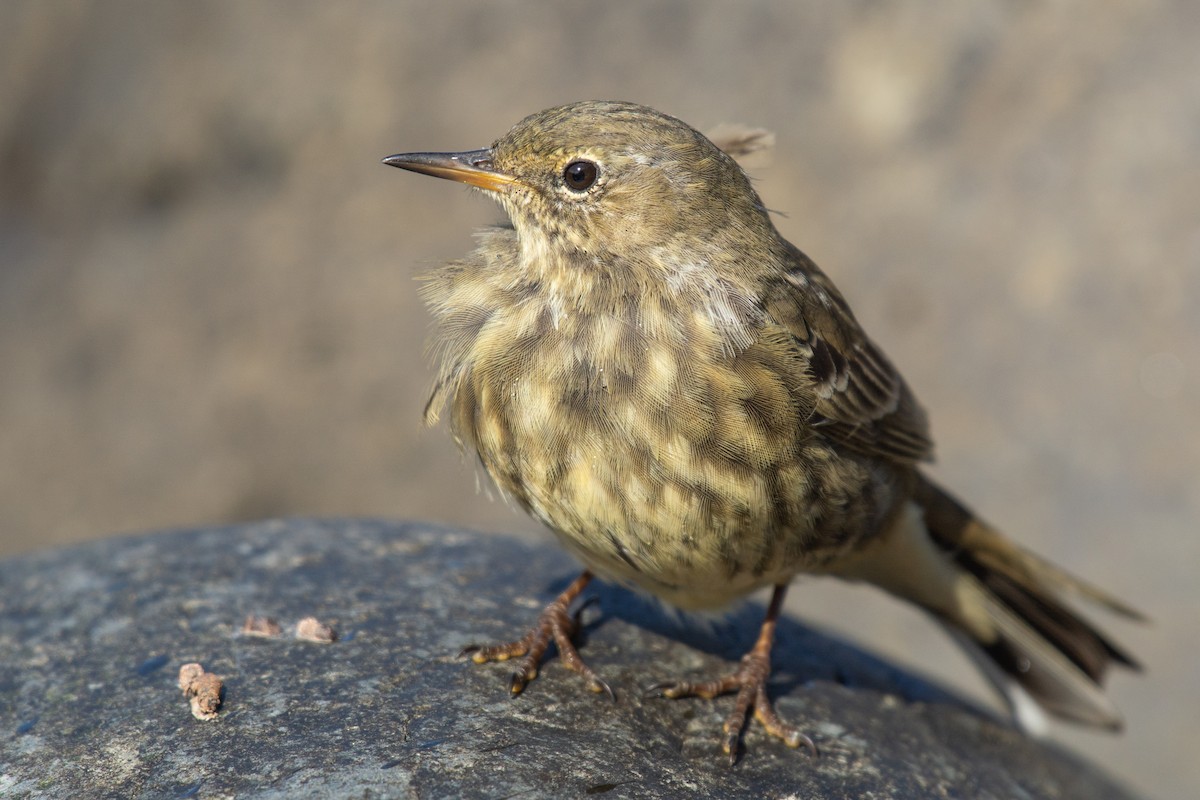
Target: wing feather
pixel 862 401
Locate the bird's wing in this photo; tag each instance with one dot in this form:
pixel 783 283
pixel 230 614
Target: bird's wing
pixel 862 401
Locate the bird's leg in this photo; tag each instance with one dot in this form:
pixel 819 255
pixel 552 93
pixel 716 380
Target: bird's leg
pixel 749 680
pixel 555 623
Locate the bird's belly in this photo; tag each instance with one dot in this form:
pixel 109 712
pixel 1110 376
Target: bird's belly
pixel 698 537
pixel 693 496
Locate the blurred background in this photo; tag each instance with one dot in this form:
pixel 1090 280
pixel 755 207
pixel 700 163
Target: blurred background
pixel 208 313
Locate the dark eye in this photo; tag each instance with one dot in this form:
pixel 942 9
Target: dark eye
pixel 580 175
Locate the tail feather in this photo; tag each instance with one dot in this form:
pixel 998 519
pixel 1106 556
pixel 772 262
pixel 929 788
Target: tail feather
pixel 1056 656
pixel 1088 648
pixel 1027 712
pixel 958 530
pixel 1045 669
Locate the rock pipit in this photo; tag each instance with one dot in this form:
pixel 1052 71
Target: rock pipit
pixel 687 401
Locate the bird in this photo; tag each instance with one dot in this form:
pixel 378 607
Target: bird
pixel 648 367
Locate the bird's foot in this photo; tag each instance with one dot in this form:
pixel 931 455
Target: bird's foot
pixel 749 680
pixel 555 624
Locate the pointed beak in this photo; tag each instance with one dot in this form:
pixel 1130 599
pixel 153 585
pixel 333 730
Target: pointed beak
pixel 473 167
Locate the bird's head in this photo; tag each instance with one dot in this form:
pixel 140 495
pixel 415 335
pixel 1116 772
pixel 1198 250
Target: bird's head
pixel 602 181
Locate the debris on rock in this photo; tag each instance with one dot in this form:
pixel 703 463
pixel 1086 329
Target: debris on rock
pixel 204 689
pixel 265 627
pixel 313 630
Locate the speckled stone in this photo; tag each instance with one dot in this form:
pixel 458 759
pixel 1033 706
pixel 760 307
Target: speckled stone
pixel 92 638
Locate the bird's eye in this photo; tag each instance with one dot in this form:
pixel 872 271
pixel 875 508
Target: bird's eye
pixel 580 175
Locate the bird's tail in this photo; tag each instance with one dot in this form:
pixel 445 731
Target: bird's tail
pixel 1004 605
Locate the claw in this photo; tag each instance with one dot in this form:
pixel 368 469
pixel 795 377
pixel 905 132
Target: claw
pixel 600 687
pixel 731 748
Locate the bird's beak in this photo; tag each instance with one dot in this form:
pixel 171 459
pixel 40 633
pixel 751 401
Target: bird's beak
pixel 473 167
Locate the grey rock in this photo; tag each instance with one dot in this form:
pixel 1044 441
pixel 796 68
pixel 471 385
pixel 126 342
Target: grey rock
pixel 92 637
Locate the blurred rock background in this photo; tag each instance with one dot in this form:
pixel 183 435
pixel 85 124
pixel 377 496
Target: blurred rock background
pixel 207 309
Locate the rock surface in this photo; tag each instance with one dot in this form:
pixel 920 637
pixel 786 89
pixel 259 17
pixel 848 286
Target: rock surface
pixel 92 638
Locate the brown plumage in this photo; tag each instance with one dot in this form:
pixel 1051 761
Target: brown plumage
pixel 687 401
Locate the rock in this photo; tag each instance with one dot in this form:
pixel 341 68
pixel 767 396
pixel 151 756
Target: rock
pixel 92 639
